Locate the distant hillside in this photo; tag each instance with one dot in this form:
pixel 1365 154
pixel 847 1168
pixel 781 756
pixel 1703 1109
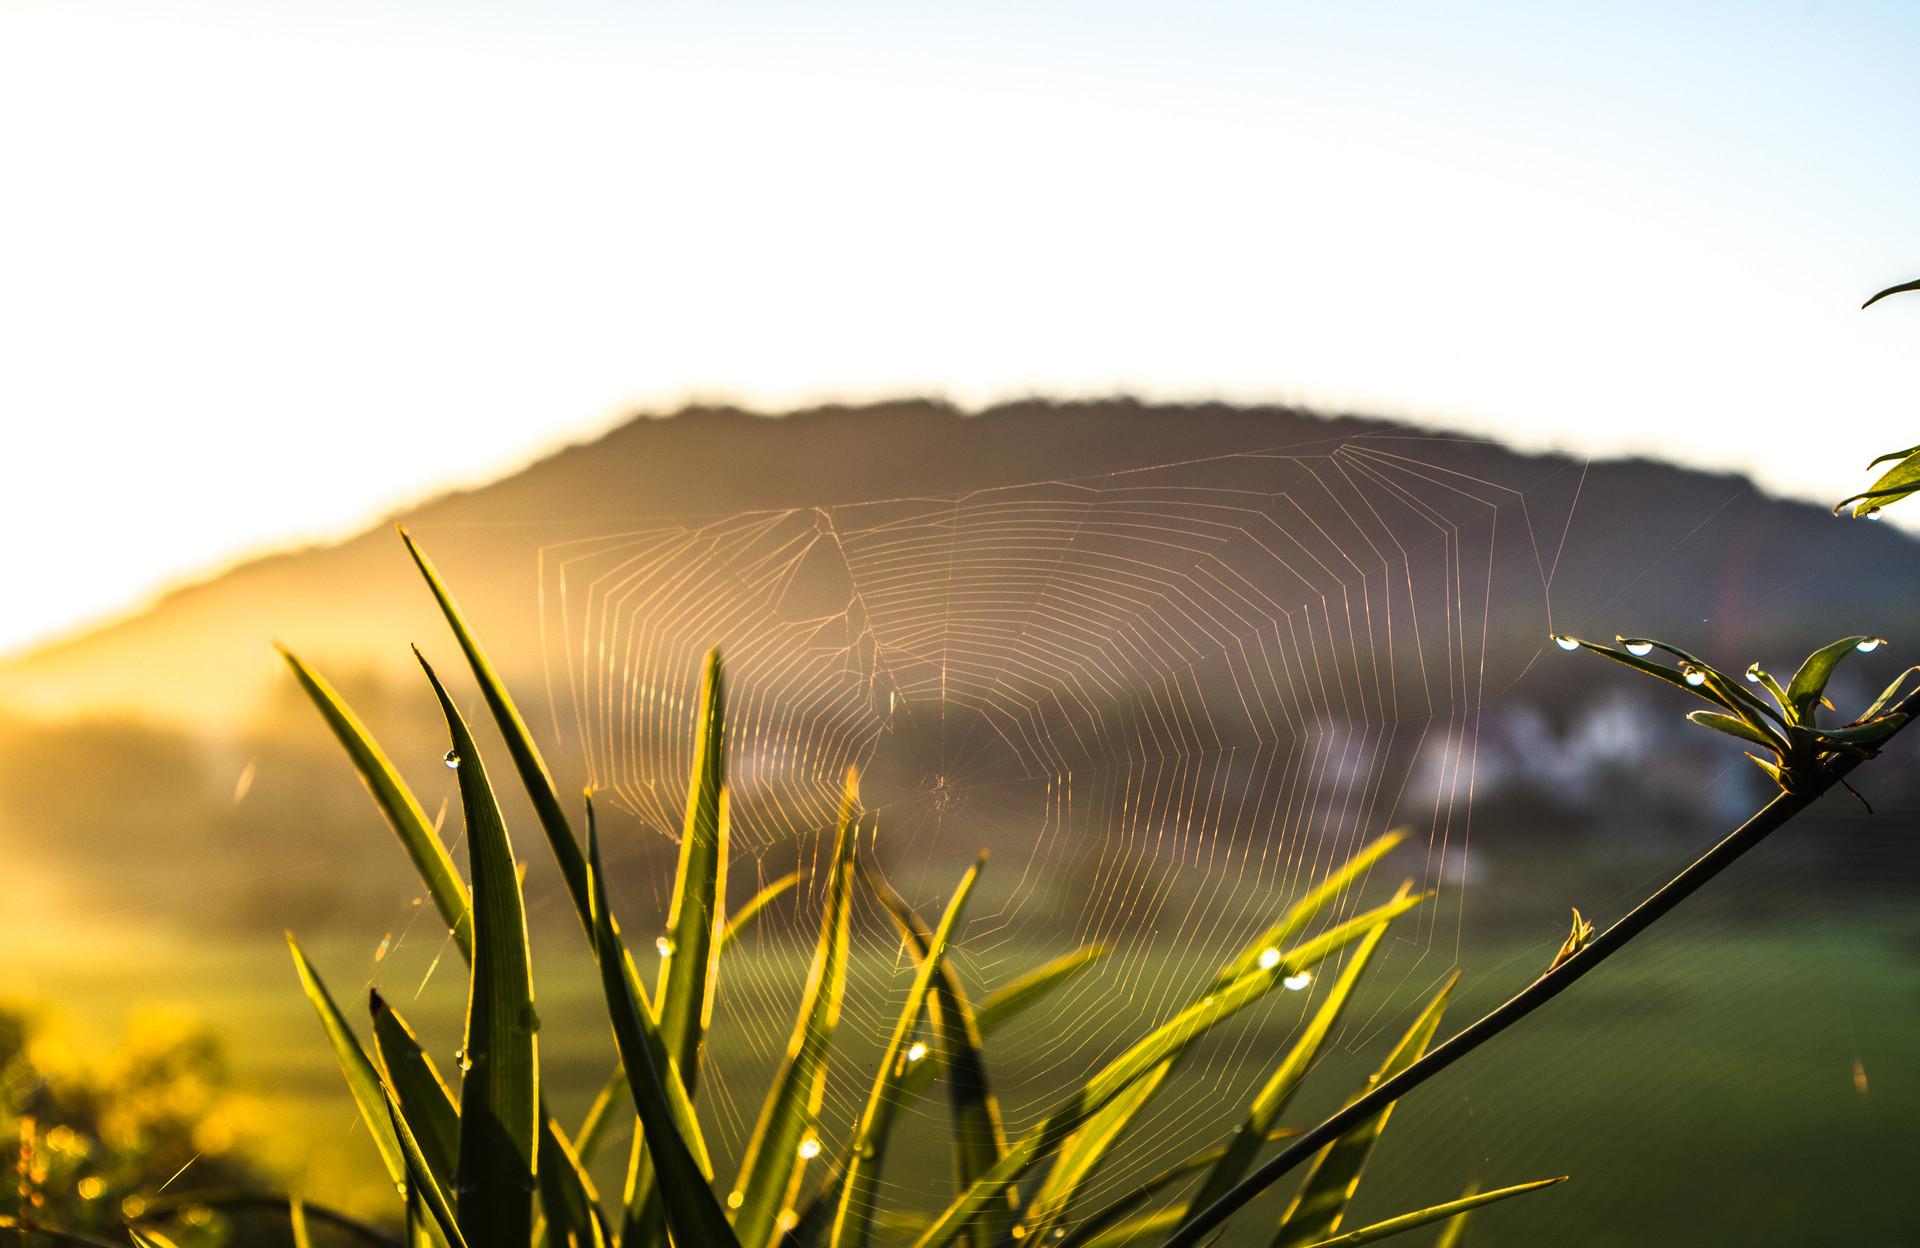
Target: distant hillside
pixel 1647 542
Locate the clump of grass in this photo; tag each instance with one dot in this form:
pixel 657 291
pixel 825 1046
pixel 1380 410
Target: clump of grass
pixel 488 1165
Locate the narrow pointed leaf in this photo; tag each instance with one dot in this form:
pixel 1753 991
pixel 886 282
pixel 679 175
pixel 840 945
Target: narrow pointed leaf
pixel 1272 1099
pixel 567 1196
pixel 534 776
pixel 297 1224
pixel 411 1077
pixel 419 1179
pixel 1811 680
pixel 1081 1156
pixel 599 1120
pixel 1321 1202
pixel 674 1144
pixel 362 1080
pixel 500 1087
pixel 1085 1230
pixel 1010 1001
pixel 395 800
pixel 1167 1041
pixel 1735 728
pixel 1891 290
pixel 853 1225
pixel 1436 1213
pixel 1454 1233
pixel 771 1171
pixel 978 1139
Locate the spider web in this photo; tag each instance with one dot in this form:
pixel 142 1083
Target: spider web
pixel 1168 700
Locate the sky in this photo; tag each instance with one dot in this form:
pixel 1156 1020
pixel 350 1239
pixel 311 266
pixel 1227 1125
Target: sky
pixel 270 270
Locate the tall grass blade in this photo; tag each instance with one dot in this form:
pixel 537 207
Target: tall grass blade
pixel 674 1143
pixel 978 1140
pixel 395 800
pixel 1163 1044
pixel 771 1171
pixel 613 1091
pixel 1424 1217
pixel 853 1224
pixel 500 1084
pixel 534 776
pixel 1272 1099
pixel 684 989
pixel 362 1080
pixel 1005 1004
pixel 1115 1212
pixel 297 1224
pixel 420 1183
pixel 1454 1233
pixel 414 1082
pixel 1081 1156
pixel 1321 1202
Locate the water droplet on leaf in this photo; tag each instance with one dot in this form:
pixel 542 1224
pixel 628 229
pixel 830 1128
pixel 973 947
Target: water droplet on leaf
pixel 1565 643
pixel 809 1148
pixel 1871 644
pixel 1640 649
pixel 663 946
pixel 452 759
pixel 1269 958
pixel 1695 677
pixel 1298 980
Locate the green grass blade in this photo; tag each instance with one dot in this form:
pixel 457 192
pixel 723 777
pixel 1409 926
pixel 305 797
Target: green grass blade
pixel 500 1084
pixel 1891 290
pixel 362 1080
pixel 978 1139
pixel 691 959
pixel 1112 1214
pixel 1454 1233
pixel 1005 1004
pixel 412 1078
pixel 853 1224
pixel 1081 1156
pixel 674 1142
pixel 1271 1100
pixel 396 802
pixel 567 1196
pixel 420 1182
pixel 1425 1217
pixel 1164 1043
pixel 771 1171
pixel 1321 1202
pixel 534 776
pixel 297 1224
pixel 599 1121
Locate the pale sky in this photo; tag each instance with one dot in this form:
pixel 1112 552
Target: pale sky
pixel 269 269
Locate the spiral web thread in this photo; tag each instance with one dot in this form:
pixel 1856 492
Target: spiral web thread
pixel 1169 700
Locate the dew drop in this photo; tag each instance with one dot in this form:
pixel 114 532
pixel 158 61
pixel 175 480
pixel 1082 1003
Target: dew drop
pixel 1695 677
pixel 1269 958
pixel 386 947
pixel 462 1061
pixel 916 1051
pixel 1298 980
pixel 1565 643
pixel 736 1199
pixel 1640 649
pixel 809 1148
pixel 452 759
pixel 663 946
pixel 1874 514
pixel 1871 644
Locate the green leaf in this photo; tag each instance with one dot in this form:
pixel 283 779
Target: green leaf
pixel 853 1224
pixel 1009 1002
pixel 674 1143
pixel 396 802
pixel 1870 733
pixel 1811 680
pixel 1454 1233
pixel 567 1195
pixel 978 1140
pixel 1112 1214
pixel 419 1180
pixel 1736 728
pixel 500 1084
pixel 1321 1202
pixel 1083 1154
pixel 362 1080
pixel 1891 486
pixel 297 1224
pixel 1165 1042
pixel 414 1081
pixel 691 959
pixel 771 1170
pixel 595 1127
pixel 534 776
pixel 1891 290
pixel 1435 1213
pixel 1271 1100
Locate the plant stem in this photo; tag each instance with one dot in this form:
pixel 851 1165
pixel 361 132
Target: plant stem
pixel 1764 823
